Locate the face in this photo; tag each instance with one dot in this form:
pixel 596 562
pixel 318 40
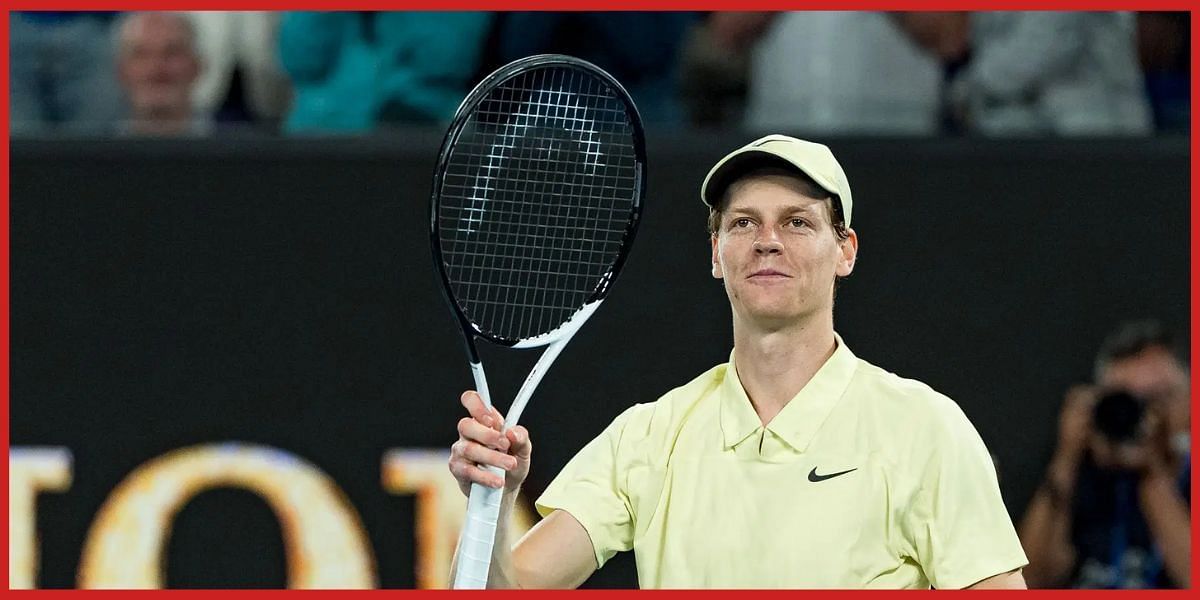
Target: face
pixel 778 254
pixel 1155 375
pixel 158 65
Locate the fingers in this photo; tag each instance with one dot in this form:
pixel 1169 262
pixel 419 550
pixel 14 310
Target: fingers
pixel 488 415
pixel 468 459
pixel 1080 397
pixel 468 473
pixel 472 401
pixel 484 443
pixel 1152 425
pixel 481 455
pixel 520 445
pixel 473 430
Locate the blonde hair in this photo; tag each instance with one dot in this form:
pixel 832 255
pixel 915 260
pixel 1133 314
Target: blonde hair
pixel 807 186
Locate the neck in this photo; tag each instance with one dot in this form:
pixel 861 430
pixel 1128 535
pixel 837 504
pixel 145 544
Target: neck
pixel 775 364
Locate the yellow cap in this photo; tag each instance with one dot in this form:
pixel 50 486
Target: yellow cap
pixel 810 158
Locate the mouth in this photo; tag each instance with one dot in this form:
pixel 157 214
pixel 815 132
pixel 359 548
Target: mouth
pixel 769 274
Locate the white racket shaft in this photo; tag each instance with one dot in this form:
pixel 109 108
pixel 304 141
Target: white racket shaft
pixel 483 505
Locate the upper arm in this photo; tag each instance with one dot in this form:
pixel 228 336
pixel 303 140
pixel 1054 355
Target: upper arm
pixel 944 34
pixel 1012 580
pixel 592 489
pixel 309 42
pixel 555 553
pixel 1037 48
pixel 958 526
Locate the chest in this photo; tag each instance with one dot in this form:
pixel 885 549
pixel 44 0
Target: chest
pixel 734 519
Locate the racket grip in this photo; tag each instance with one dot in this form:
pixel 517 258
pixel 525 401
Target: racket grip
pixel 478 535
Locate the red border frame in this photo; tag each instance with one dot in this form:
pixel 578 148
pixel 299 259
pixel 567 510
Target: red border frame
pixel 1194 345
pixel 4 334
pixel 1177 5
pixel 1194 246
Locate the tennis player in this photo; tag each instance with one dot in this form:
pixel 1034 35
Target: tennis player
pixel 796 464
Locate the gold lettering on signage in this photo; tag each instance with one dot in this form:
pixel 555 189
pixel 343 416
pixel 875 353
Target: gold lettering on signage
pixel 324 540
pixel 30 470
pixel 440 507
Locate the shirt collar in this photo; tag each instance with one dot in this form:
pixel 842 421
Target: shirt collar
pixel 799 420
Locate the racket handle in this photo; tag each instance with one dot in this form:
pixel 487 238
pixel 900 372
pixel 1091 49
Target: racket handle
pixel 478 535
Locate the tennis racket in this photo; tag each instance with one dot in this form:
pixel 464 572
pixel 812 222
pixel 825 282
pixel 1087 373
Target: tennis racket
pixel 536 200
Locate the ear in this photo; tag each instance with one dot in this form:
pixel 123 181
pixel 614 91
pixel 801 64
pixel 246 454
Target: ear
pixel 849 250
pixel 716 259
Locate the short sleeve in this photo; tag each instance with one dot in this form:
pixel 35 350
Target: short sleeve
pixel 591 489
pixel 958 526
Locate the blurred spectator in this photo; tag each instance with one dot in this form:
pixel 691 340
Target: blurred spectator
pixel 353 70
pixel 714 77
pixel 242 79
pixel 844 72
pixel 61 72
pixel 1053 73
pixel 1114 508
pixel 157 65
pixel 640 49
pixel 1166 62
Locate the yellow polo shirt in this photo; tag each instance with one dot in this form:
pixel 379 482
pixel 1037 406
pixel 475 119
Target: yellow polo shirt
pixel 864 479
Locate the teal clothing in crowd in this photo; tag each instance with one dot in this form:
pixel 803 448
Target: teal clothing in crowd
pixel 352 70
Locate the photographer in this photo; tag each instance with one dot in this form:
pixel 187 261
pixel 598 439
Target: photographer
pixel 1114 508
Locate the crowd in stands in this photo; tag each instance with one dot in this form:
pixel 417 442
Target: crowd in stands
pixel 835 73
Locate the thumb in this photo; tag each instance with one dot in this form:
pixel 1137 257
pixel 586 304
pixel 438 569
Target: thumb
pixel 521 447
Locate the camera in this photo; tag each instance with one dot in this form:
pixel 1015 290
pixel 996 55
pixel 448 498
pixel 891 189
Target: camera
pixel 1118 416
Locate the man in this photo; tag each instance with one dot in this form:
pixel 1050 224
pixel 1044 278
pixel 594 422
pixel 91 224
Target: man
pixel 639 49
pixel 60 72
pixel 1042 73
pixel 242 79
pixel 794 465
pixel 863 71
pixel 353 71
pixel 157 65
pixel 1113 511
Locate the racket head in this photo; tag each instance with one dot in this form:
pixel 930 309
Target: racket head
pixel 537 197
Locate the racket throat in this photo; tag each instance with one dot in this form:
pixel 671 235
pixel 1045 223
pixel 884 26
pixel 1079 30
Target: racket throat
pixel 481 384
pixel 561 337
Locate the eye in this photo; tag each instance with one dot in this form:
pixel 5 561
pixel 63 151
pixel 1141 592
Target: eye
pixel 797 222
pixel 740 222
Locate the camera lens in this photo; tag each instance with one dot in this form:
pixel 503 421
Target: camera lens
pixel 1118 416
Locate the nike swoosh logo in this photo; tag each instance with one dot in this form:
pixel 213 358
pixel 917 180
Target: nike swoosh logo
pixel 813 477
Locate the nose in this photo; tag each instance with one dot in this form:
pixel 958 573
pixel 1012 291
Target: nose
pixel 768 242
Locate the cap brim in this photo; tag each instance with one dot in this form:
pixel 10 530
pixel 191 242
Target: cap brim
pixel 738 165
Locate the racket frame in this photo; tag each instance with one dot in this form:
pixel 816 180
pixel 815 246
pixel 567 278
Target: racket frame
pixel 483 505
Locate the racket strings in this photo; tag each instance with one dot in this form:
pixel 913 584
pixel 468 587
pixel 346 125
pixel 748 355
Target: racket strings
pixel 537 199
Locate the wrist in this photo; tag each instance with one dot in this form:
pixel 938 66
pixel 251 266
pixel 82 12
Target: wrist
pixel 1060 491
pixel 1155 475
pixel 1068 456
pixel 1158 463
pixel 508 499
pixel 1153 485
pixel 1063 468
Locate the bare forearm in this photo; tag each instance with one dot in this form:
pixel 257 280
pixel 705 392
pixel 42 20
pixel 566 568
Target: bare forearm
pixel 1037 49
pixel 1045 530
pixel 944 34
pixel 1170 524
pixel 1012 580
pixel 736 31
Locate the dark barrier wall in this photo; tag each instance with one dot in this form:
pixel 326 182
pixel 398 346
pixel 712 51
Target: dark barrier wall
pixel 280 292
